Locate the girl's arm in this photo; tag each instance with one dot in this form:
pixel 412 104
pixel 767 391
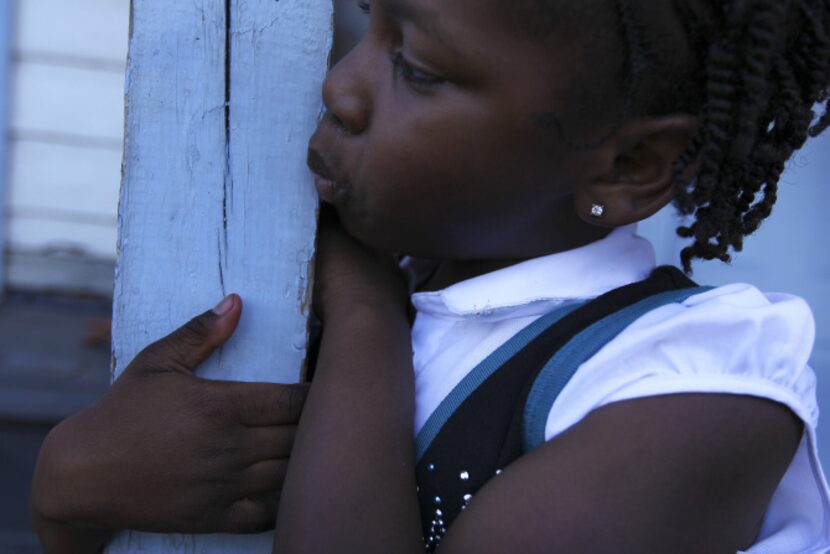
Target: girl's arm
pixel 689 473
pixel 686 473
pixel 58 538
pixel 166 451
pixel 351 480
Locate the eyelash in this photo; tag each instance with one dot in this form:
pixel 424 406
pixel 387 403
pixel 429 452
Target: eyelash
pixel 413 75
pixel 409 73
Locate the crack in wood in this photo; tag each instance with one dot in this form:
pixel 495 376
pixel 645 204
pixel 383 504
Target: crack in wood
pixel 221 269
pixel 227 193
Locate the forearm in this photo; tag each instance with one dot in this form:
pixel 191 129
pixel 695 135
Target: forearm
pixel 59 481
pixel 351 480
pixel 58 538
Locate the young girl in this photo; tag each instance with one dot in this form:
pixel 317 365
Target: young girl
pixel 566 396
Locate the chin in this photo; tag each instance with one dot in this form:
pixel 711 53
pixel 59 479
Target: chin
pixel 364 230
pixel 381 237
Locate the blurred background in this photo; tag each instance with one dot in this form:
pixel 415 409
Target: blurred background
pixel 61 115
pixel 61 112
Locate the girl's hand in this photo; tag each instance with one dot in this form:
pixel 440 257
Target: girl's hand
pixel 166 451
pixel 350 275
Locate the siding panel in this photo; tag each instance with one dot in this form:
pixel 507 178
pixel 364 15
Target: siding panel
pixel 94 29
pixel 60 177
pixel 47 233
pixel 68 101
pixel 66 129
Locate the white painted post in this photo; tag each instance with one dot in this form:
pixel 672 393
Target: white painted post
pixel 222 96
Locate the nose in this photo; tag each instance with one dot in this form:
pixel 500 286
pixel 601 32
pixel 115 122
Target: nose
pixel 346 92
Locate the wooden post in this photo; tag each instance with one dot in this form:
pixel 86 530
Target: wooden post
pixel 222 96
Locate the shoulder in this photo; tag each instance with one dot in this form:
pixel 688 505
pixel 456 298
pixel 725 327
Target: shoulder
pixel 731 309
pixel 732 339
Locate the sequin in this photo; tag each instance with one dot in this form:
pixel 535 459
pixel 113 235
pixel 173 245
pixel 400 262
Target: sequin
pixel 431 467
pixel 436 532
pixel 437 500
pixel 464 475
pixel 468 497
pixel 498 472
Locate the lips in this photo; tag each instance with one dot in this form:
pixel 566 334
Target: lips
pixel 329 188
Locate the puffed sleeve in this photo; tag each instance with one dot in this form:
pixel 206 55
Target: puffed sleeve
pixel 729 340
pixel 732 339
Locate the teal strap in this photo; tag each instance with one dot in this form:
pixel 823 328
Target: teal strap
pixel 480 373
pixel 561 367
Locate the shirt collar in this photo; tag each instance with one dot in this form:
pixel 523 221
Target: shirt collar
pixel 536 286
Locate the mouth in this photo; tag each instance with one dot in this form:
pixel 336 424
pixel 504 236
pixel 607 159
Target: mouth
pixel 329 188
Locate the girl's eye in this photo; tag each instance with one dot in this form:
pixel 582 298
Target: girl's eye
pixel 413 75
pixel 364 6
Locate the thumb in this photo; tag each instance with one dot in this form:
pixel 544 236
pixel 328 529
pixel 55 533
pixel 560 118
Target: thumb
pixel 192 343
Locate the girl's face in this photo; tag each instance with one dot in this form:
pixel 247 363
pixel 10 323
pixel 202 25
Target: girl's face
pixel 429 147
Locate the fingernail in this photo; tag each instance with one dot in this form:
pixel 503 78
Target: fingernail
pixel 224 306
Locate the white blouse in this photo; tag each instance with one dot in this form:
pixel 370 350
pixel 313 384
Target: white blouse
pixel 732 339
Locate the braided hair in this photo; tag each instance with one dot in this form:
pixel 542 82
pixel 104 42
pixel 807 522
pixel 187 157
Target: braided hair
pixel 766 64
pixel 755 72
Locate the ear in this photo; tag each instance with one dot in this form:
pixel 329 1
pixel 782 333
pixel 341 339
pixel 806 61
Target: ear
pixel 633 177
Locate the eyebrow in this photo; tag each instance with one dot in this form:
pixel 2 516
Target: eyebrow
pixel 421 18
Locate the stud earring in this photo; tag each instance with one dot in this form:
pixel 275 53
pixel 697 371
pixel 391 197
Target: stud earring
pixel 598 210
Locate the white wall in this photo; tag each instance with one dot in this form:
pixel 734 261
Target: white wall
pixel 65 129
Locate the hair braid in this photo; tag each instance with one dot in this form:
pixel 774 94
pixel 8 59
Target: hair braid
pixel 766 66
pixel 814 56
pixel 637 54
pixel 754 73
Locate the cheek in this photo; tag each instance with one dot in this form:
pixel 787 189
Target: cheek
pixel 446 154
pixel 426 185
pixel 430 177
pixel 408 159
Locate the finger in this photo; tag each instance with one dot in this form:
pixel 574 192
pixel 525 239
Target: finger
pixel 265 404
pixel 191 344
pixel 263 477
pixel 268 443
pixel 251 514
